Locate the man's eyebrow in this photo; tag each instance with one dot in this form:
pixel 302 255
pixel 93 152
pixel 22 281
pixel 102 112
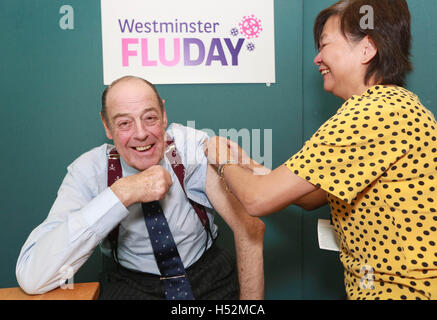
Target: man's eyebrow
pixel 118 115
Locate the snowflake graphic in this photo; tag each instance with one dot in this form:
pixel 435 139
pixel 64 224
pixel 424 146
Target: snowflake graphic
pixel 250 46
pixel 250 27
pixel 234 32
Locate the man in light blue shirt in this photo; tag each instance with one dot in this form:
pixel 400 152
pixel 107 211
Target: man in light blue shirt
pixel 86 209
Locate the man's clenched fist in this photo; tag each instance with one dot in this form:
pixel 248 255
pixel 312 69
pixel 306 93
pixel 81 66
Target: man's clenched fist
pixel 149 185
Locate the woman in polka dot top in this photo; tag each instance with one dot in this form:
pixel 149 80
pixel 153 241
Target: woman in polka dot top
pixel 374 161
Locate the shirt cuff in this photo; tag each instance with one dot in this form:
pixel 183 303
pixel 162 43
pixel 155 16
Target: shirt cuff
pixel 104 212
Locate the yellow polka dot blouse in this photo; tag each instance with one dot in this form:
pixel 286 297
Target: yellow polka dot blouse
pixel 377 160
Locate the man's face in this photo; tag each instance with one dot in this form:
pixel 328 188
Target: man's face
pixel 136 123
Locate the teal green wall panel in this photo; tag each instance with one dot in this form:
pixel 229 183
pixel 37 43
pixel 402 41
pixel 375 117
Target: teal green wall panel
pixel 50 87
pixel 422 80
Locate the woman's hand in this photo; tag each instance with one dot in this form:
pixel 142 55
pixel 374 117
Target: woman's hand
pixel 220 150
pixel 217 151
pixel 239 154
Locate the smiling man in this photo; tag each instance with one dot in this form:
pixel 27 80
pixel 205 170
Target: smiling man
pixel 150 207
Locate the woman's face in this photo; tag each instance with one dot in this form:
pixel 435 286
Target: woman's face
pixel 339 61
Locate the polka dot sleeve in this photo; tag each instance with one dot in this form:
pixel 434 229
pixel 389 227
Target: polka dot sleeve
pixel 353 148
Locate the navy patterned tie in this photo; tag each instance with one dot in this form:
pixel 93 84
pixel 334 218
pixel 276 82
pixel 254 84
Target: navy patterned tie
pixel 176 283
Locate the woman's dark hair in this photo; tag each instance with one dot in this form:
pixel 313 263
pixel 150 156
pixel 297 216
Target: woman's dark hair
pixel 125 78
pixel 391 34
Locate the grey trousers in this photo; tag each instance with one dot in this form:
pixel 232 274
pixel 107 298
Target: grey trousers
pixel 213 277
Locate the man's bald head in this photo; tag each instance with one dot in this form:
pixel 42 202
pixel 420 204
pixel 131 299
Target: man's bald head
pixel 104 111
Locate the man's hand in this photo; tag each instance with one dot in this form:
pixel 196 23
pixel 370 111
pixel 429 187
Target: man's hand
pixel 150 185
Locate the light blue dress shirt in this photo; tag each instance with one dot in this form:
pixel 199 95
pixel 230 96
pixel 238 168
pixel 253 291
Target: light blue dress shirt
pixel 86 210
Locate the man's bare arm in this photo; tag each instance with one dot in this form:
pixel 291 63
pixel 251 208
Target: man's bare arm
pixel 248 236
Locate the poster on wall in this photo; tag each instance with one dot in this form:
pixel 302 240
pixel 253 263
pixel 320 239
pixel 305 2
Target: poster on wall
pixel 189 41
